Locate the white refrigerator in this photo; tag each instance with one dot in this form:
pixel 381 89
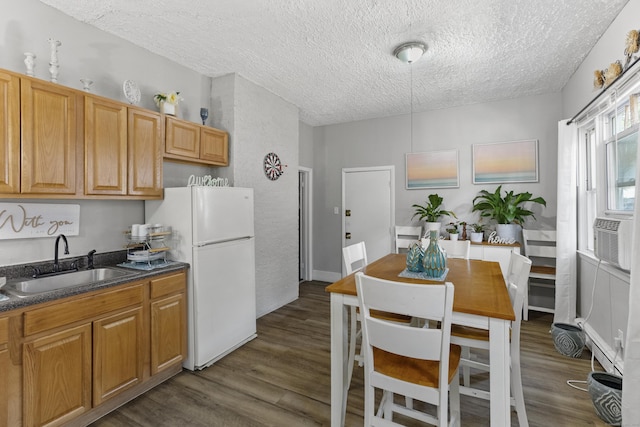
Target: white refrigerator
pixel 213 232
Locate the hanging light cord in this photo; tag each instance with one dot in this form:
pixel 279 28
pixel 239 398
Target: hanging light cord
pixel 411 112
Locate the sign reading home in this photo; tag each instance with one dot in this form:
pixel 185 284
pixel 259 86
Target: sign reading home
pixel 30 220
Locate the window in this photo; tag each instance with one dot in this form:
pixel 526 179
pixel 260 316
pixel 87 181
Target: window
pixel 607 155
pixel 587 183
pixel 621 149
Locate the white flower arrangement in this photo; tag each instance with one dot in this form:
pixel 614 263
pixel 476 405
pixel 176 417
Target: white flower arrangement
pixel 169 97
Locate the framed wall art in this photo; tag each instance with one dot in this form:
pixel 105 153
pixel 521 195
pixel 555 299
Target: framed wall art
pixel 433 169
pixel 502 162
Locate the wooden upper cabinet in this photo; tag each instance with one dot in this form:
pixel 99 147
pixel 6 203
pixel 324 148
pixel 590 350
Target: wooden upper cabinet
pixel 105 137
pixel 214 146
pixel 9 133
pixel 51 138
pixel 183 138
pixel 193 143
pixel 123 151
pixel 145 152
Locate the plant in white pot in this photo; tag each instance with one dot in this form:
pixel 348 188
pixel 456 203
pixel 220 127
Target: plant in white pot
pixel 477 233
pixel 452 229
pixel 507 210
pixel 430 212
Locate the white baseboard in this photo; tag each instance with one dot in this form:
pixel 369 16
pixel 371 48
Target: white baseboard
pixel 326 276
pixel 602 351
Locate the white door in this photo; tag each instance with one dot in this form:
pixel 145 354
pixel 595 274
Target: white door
pixel 368 214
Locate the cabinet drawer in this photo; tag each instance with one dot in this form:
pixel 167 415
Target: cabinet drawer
pixel 167 285
pixel 54 316
pixel 4 331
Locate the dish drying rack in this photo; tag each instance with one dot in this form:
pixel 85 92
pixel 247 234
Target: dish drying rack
pixel 148 249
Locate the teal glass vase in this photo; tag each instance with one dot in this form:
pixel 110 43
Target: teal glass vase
pixel 434 263
pixel 415 257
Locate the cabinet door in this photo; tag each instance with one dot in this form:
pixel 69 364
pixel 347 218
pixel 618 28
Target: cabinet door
pixel 183 138
pixel 50 138
pixel 4 364
pixel 9 133
pixel 118 344
pixel 145 153
pixel 168 332
pixel 105 136
pixel 214 146
pixel 57 377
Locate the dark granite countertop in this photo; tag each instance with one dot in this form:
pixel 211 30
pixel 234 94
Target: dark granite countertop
pixel 112 259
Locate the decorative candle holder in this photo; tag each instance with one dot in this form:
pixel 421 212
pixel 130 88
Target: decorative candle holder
pixel 86 84
pixel 53 62
pixel 30 62
pixel 204 113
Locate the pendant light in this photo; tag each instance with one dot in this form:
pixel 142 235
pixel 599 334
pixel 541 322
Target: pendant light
pixel 409 53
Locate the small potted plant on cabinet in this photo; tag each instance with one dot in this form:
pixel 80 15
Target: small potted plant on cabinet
pixel 452 229
pixel 477 233
pixel 508 211
pixel 431 211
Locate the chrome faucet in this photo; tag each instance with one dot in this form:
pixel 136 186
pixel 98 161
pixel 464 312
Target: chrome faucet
pixel 90 259
pixel 56 264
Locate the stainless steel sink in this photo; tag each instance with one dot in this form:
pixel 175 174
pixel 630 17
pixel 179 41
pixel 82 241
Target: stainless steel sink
pixel 38 285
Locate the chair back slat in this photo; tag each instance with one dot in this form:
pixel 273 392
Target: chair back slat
pixel 456 248
pixel 355 257
pixel 432 302
pixel 539 243
pixel 406 236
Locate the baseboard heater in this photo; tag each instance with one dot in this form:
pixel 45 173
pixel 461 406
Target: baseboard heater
pixel 602 351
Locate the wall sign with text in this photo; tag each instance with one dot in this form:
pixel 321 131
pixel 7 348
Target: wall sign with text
pixel 31 220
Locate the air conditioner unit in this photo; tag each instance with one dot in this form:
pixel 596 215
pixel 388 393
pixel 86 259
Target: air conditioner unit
pixel 612 239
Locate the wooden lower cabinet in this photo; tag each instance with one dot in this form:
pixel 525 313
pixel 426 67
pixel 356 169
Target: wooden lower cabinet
pixel 168 332
pixel 118 354
pixel 4 371
pixel 57 377
pixel 86 355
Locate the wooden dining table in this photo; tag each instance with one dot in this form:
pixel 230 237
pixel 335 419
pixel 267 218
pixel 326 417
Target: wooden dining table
pixel 480 300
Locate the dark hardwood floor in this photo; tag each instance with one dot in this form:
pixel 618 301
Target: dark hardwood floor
pixel 282 378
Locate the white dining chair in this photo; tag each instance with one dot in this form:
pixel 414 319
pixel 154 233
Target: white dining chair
pixel 417 363
pixel 355 259
pixel 540 248
pixel 469 338
pixel 406 236
pixel 455 248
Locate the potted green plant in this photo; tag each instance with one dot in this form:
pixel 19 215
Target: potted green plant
pixel 477 233
pixel 431 211
pixel 505 210
pixel 452 229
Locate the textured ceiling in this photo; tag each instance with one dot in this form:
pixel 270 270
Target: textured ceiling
pixel 333 58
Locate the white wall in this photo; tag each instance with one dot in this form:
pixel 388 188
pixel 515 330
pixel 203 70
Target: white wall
pixel 25 26
pixel 263 123
pixel 385 141
pixel 306 145
pixel 608 310
pixel 579 89
pixel 257 120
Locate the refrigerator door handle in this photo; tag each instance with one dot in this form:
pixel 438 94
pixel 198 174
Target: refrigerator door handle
pixel 202 244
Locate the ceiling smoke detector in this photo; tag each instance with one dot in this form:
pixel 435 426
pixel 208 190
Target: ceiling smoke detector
pixel 410 52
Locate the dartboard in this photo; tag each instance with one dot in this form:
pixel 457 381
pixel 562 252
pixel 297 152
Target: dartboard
pixel 272 166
